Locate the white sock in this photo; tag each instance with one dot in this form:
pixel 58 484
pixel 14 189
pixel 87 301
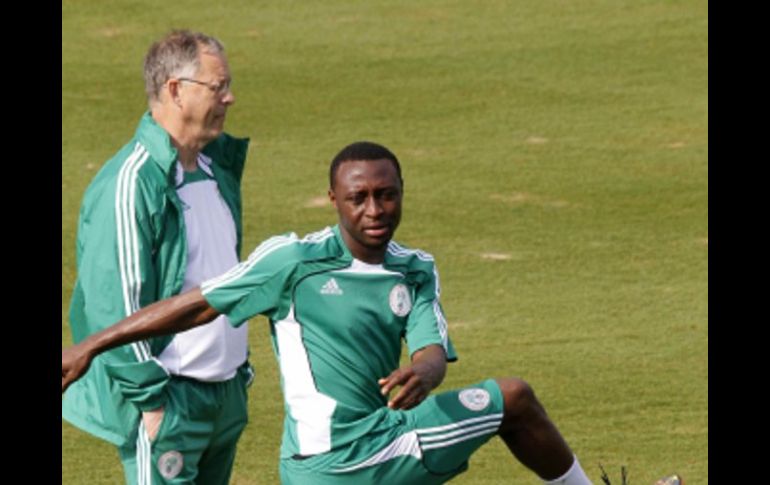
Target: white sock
pixel 574 476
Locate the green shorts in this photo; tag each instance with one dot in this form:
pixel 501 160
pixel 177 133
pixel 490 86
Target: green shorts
pixel 197 438
pixel 427 444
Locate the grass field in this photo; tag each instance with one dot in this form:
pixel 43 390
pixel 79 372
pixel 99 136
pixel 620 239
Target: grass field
pixel 555 155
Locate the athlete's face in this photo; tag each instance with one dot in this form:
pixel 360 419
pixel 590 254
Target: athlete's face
pixel 367 196
pixel 206 98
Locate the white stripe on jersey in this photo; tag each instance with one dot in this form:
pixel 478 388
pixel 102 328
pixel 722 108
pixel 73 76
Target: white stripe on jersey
pixel 310 409
pixel 319 236
pixel 263 250
pixel 243 267
pixel 128 246
pixel 441 323
pixel 397 250
pixel 440 318
pixel 438 282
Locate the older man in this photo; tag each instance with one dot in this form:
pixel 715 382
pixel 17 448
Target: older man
pixel 160 217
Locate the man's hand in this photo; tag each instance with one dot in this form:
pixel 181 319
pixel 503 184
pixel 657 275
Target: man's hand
pixel 74 363
pixel 152 420
pixel 413 391
pixel 416 380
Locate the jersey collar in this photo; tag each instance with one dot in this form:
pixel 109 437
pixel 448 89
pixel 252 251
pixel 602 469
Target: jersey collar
pixel 390 262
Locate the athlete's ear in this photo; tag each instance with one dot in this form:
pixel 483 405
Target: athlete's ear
pixel 332 198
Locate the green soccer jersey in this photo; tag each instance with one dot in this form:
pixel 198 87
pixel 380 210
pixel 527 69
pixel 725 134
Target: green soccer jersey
pixel 337 325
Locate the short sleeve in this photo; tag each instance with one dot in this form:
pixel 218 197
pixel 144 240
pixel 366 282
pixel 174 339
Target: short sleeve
pixel 257 285
pixel 427 324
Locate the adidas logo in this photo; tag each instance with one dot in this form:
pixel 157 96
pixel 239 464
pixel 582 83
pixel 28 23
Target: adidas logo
pixel 331 288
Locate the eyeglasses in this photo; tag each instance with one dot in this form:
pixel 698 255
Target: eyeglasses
pixel 220 89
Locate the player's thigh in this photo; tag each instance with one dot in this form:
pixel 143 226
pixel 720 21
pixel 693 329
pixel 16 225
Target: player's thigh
pixel 452 425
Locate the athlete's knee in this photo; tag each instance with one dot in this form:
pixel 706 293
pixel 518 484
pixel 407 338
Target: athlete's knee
pixel 519 398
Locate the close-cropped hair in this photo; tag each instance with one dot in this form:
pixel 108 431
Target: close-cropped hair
pixel 362 151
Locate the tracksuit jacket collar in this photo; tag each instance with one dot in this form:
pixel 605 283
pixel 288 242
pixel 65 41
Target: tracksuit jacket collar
pixel 157 142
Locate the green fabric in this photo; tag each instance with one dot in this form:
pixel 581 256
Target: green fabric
pixel 140 382
pixel 336 329
pixel 191 177
pixel 202 422
pixel 132 251
pixel 444 434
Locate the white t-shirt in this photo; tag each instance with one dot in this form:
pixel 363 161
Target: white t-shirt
pixel 211 352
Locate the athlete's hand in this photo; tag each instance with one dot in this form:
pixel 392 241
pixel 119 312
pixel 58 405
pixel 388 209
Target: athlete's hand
pixel 74 363
pixel 414 389
pixel 152 420
pixel 416 380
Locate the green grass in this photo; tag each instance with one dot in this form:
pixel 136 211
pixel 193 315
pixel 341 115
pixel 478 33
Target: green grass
pixel 569 137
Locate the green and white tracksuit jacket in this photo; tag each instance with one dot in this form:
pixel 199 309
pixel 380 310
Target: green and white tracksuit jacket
pixel 131 252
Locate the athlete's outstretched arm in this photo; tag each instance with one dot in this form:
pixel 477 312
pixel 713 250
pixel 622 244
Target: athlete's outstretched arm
pixel 172 315
pixel 426 371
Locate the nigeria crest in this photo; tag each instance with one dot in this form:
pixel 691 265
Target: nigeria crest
pixel 400 301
